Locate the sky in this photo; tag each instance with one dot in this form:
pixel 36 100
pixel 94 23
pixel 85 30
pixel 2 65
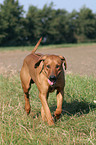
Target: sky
pixel 68 5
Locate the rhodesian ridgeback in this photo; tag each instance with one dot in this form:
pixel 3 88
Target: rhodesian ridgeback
pixel 47 72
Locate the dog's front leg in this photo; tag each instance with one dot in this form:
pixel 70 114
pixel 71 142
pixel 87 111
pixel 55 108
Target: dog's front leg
pixel 45 111
pixel 60 96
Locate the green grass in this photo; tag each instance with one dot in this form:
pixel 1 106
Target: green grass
pixel 77 124
pixel 29 48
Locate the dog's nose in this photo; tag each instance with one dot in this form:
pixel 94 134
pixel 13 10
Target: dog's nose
pixel 52 78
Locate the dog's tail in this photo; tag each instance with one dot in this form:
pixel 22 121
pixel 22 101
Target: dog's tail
pixel 35 48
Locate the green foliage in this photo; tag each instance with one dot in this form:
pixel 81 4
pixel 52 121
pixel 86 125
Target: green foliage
pixel 55 26
pixel 77 124
pixel 84 23
pixel 11 22
pixel 32 25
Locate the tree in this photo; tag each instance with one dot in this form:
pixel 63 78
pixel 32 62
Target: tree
pixel 86 25
pixel 11 23
pixel 32 25
pixel 55 26
pixel 46 16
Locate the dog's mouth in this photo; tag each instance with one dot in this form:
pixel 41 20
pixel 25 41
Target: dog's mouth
pixel 51 83
pixel 52 80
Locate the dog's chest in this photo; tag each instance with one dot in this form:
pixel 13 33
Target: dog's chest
pixel 52 88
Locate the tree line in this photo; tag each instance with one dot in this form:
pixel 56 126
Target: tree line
pixel 55 26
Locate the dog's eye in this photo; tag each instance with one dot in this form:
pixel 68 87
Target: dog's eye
pixel 48 66
pixel 57 66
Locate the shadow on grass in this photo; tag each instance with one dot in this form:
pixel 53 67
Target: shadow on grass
pixel 75 108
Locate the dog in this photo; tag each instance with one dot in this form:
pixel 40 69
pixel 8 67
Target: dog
pixel 47 72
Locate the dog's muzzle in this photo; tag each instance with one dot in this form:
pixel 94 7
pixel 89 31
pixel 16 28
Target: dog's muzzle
pixel 52 80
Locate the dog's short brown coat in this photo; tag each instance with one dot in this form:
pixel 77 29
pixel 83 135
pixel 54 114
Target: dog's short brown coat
pixel 47 72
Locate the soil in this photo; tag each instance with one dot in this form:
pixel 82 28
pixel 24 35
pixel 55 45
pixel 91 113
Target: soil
pixel 80 60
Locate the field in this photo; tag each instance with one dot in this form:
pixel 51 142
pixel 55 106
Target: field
pixel 77 124
pixel 80 58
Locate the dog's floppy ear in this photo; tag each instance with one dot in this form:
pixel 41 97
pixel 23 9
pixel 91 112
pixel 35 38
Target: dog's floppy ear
pixel 64 60
pixel 39 61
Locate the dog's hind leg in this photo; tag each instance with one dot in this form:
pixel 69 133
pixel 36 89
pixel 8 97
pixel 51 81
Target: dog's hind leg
pixel 26 84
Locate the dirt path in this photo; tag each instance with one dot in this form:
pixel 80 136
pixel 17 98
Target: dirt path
pixel 80 60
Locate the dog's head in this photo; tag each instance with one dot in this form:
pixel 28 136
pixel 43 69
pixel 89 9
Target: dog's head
pixel 53 65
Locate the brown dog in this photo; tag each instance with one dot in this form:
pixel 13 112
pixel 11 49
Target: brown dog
pixel 47 72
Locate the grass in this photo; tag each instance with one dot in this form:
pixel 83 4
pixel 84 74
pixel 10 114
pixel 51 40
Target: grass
pixel 29 48
pixel 77 124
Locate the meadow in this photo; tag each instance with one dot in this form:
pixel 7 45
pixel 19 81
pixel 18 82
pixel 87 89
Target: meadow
pixel 77 124
pixel 29 48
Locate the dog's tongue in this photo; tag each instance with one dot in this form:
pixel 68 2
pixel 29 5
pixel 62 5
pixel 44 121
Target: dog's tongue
pixel 50 83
